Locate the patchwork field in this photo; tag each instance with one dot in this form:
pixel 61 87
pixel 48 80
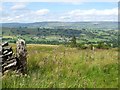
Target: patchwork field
pixel 57 66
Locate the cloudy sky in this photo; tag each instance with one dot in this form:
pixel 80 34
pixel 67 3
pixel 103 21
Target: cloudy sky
pixel 58 11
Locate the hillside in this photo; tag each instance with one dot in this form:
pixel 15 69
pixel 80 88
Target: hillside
pixel 61 32
pixel 63 67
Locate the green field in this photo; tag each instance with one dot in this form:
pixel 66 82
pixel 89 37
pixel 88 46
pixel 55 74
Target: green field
pixel 61 32
pixel 57 66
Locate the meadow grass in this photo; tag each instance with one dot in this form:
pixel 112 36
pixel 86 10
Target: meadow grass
pixel 58 66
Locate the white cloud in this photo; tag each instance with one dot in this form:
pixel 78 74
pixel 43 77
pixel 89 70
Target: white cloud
pixel 28 16
pixel 78 12
pixel 18 6
pixel 42 12
pixel 18 18
pixel 91 15
pixel 1 8
pixel 74 15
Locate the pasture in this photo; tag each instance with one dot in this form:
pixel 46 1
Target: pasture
pixel 57 66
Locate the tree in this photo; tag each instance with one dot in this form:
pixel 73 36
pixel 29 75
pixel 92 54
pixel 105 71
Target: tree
pixel 38 29
pixel 102 45
pixel 73 41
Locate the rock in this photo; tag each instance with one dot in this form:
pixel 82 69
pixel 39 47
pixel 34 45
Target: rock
pixel 10 61
pixel 21 55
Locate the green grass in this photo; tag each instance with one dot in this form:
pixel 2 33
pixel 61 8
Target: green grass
pixel 63 67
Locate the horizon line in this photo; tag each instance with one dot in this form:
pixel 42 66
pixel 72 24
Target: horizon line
pixel 60 21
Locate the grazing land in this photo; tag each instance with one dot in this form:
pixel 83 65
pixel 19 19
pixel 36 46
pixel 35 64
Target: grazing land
pixel 57 66
pixel 61 32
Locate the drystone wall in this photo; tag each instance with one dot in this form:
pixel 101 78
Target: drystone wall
pixel 12 61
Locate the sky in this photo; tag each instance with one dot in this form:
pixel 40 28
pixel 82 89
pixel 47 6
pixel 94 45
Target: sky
pixel 28 12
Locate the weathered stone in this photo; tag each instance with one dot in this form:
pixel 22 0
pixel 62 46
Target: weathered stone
pixel 5 44
pixel 11 61
pixel 21 53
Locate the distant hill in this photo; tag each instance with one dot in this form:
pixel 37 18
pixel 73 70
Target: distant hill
pixel 72 25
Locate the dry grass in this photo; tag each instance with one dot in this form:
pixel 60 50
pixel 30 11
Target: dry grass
pixel 64 67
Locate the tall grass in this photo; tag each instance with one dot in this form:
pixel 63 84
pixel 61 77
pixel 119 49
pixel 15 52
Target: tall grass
pixel 64 67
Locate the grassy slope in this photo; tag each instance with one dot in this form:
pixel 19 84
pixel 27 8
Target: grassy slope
pixel 63 67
